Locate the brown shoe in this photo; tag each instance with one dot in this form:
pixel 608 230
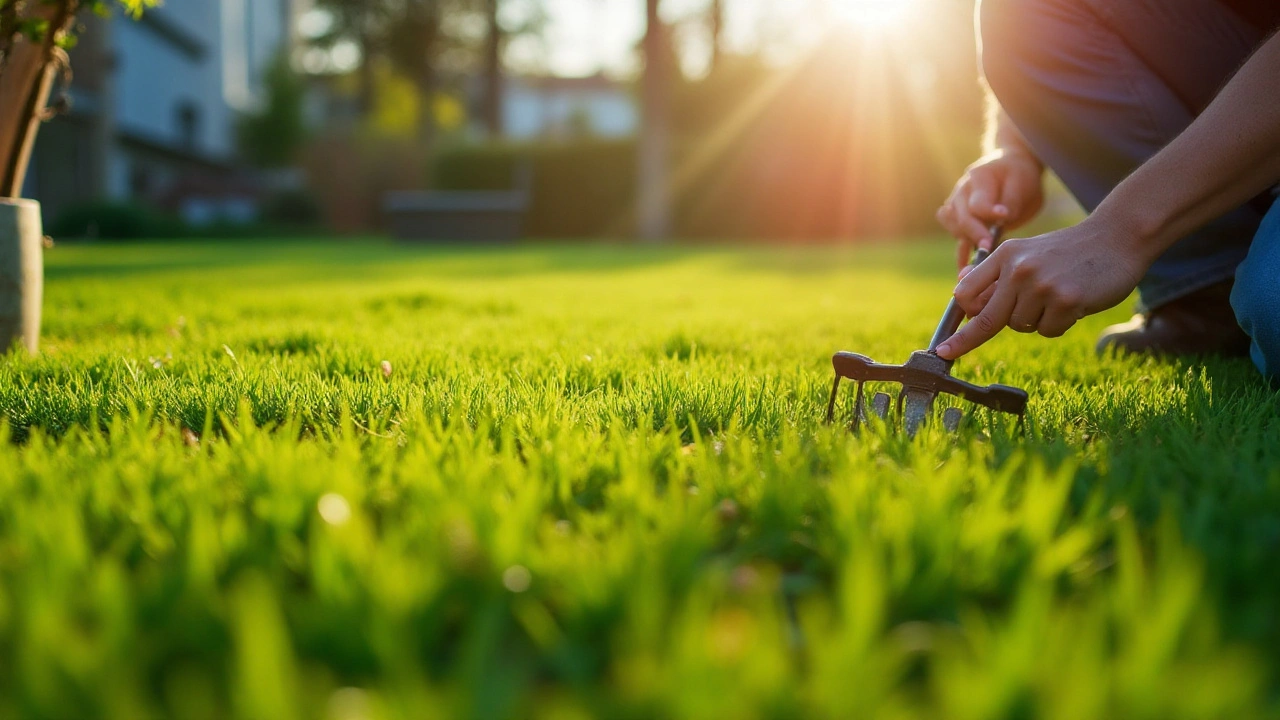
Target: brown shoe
pixel 1201 323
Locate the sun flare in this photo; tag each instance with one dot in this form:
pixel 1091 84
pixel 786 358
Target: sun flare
pixel 874 16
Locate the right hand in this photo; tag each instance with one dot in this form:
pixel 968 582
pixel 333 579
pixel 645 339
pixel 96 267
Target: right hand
pixel 1003 188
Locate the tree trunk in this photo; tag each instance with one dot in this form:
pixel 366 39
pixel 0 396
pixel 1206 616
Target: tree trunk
pixel 365 78
pixel 424 21
pixel 28 76
pixel 653 202
pixel 716 12
pixel 492 112
pixel 427 118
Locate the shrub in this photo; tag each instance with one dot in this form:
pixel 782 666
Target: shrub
pixel 115 221
pixel 578 189
pixel 291 209
pixel 286 214
pixel 762 187
pixel 350 173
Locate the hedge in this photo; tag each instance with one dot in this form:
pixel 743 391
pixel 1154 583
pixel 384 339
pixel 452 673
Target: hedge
pixel 580 189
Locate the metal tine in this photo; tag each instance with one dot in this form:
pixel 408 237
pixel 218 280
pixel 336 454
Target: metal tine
pixel 880 404
pixel 951 418
pixel 831 405
pixel 858 409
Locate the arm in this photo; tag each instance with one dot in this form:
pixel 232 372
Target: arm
pixel 1003 187
pixel 1227 156
pixel 1002 135
pixel 1230 154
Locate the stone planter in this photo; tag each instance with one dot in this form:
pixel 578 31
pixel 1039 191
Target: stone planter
pixel 21 273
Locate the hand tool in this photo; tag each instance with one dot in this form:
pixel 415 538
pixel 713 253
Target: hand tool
pixel 922 378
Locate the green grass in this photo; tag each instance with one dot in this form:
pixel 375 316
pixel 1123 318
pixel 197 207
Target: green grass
pixel 596 484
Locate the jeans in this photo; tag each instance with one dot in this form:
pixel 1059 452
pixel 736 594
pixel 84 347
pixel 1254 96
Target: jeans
pixel 1256 295
pixel 1099 86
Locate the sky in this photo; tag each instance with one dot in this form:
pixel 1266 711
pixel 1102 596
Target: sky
pixel 588 36
pixel 584 37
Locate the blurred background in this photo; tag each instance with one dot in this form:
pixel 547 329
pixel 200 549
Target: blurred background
pixel 494 120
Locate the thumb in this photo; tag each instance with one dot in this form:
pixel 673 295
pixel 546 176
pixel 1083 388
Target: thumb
pixel 984 194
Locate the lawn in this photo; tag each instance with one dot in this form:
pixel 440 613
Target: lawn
pixel 356 480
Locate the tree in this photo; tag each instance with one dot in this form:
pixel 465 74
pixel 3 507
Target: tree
pixel 653 202
pixel 413 47
pixel 715 18
pixel 362 22
pixel 492 109
pixel 34 35
pixel 272 137
pixel 419 39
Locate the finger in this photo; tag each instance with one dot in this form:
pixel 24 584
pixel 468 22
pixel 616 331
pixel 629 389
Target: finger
pixel 969 227
pixel 984 194
pixel 964 251
pixel 946 216
pixel 993 318
pixel 1027 314
pixel 977 281
pixel 985 297
pixel 1056 323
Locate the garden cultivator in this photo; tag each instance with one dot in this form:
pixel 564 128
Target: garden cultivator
pixel 923 377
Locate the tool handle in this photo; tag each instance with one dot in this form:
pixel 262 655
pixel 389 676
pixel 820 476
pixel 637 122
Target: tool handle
pixel 954 315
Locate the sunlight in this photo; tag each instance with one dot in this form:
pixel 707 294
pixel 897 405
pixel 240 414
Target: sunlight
pixel 874 16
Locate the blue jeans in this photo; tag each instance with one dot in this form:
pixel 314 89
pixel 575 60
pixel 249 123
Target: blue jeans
pixel 1256 296
pixel 1099 86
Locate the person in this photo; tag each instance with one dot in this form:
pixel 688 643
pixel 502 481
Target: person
pixel 1162 117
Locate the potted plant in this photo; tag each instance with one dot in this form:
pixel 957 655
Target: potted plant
pixel 34 38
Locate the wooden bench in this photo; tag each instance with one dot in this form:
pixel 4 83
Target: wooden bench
pixel 493 216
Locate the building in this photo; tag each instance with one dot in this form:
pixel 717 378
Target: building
pixel 561 108
pixel 155 104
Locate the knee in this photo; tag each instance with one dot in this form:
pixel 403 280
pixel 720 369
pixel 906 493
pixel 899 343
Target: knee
pixel 1256 301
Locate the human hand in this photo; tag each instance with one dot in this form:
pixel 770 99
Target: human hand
pixel 1046 284
pixel 1003 188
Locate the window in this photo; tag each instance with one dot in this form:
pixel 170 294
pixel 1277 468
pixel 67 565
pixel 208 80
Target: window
pixel 188 119
pixel 139 181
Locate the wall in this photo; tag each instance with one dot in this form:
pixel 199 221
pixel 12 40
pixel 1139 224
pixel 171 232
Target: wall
pixel 531 112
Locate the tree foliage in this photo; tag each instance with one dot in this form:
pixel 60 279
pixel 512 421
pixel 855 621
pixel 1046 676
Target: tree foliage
pixel 433 43
pixel 271 138
pixel 31 18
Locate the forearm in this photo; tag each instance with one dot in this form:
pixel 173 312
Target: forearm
pixel 1002 135
pixel 1230 154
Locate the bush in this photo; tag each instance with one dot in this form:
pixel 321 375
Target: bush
pixel 283 215
pixel 758 154
pixel 772 184
pixel 350 173
pixel 291 209
pixel 115 221
pixel 578 189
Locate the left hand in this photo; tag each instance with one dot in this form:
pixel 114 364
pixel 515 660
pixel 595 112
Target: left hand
pixel 1046 284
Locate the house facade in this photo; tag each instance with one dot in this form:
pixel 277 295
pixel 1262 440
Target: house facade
pixel 563 108
pixel 155 104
